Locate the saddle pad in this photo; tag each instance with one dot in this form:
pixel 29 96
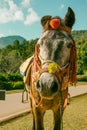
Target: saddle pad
pixel 24 66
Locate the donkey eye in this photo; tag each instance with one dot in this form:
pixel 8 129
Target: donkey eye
pixel 69 45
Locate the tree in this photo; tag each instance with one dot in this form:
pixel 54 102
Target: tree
pixel 16 44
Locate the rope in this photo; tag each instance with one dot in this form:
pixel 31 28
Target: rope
pixel 61 111
pixel 73 58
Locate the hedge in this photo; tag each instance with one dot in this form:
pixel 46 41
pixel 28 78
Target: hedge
pixel 11 85
pixel 3 78
pixel 82 78
pixel 14 77
pixel 5 85
pixel 18 85
pixel 11 81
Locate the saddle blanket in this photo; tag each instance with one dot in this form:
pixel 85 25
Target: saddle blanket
pixel 25 65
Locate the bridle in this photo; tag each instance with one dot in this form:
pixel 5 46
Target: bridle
pixel 69 69
pixel 60 71
pixel 55 24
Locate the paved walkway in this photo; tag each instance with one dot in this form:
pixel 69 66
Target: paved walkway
pixel 78 90
pixel 13 106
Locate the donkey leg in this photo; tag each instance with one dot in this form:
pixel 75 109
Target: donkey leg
pixel 31 105
pixel 57 120
pixel 38 119
pixel 33 127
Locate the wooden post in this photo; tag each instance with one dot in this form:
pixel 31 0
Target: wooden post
pixel 2 94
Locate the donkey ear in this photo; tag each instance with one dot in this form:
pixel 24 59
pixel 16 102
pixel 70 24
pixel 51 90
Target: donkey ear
pixel 69 19
pixel 45 21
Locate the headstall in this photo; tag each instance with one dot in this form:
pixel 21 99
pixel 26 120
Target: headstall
pixel 53 67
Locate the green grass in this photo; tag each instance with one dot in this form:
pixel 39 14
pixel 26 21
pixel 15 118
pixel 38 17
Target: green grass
pixel 75 117
pixel 14 91
pixel 81 83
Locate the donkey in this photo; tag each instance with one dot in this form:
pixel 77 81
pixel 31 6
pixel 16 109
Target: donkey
pixel 53 68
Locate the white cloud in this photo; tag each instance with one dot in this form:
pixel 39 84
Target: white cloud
pixel 31 17
pixel 18 15
pixel 12 5
pixel 5 16
pixel 25 2
pixel 12 14
pixel 62 6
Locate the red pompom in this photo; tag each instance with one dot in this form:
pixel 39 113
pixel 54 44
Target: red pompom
pixel 55 23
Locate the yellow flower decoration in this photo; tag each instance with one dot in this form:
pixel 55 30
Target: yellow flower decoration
pixel 53 67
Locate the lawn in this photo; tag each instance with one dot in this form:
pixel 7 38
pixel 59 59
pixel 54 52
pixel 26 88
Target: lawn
pixel 75 117
pixel 14 91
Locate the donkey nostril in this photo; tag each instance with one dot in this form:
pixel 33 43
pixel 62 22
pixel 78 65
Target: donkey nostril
pixel 54 87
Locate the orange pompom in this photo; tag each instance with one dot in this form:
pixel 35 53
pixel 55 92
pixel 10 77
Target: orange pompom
pixel 55 23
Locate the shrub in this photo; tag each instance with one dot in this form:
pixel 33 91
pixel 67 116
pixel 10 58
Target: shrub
pixel 11 85
pixel 3 77
pixel 18 85
pixel 11 81
pixel 5 85
pixel 82 78
pixel 14 77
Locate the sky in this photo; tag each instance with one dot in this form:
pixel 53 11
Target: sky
pixel 22 17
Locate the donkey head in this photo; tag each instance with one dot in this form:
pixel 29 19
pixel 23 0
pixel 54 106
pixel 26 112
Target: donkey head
pixel 55 47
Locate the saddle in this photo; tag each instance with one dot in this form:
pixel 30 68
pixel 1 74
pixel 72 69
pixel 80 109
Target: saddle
pixel 25 69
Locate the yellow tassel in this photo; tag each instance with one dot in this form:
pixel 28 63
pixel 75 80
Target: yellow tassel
pixel 53 67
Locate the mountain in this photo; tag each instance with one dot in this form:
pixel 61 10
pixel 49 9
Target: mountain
pixel 4 41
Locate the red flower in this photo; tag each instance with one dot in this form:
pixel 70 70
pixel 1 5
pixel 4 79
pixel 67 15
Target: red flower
pixel 55 23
